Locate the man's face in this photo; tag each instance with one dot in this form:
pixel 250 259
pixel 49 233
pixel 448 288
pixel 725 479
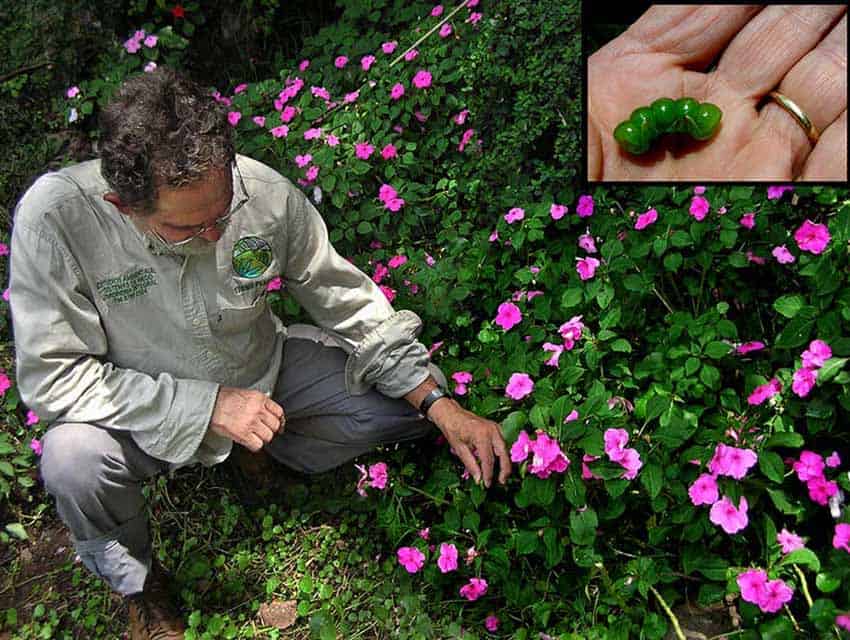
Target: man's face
pixel 183 211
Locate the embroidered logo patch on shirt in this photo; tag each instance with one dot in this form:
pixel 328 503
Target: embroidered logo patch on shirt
pixel 127 286
pixel 251 256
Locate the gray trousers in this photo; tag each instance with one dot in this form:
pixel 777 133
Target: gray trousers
pixel 96 474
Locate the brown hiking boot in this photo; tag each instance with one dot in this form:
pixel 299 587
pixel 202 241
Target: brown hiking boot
pixel 152 616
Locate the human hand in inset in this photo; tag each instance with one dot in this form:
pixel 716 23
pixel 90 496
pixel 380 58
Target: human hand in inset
pixel 798 50
pixel 247 417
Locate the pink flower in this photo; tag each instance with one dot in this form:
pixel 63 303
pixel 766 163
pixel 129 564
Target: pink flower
pixel 387 193
pixel 280 132
pixel 437 11
pixel 389 47
pixel 833 461
pixel 476 588
pixel 730 518
pixel 233 117
pixel 494 236
pixel 410 55
pixel 732 461
pixel 367 61
pixel 646 219
pixel 841 538
pixel 312 173
pixel 547 457
pixel 446 30
pixel 363 150
pixel 429 260
pixel 804 381
pixel 615 441
pixel 817 354
pixel 571 416
pixel 699 207
pixel 514 214
pixel 471 554
pixel 396 261
pixel 585 206
pixel 303 161
pixel 754 258
pixel 448 558
pixel 557 211
pixel 748 220
pixel 389 151
pixel 340 62
pixel 462 378
pixel 411 558
pixel 32 418
pixel 519 386
pixel 303 65
pixel 332 140
pixel 73 92
pixel 288 113
pixel 395 204
pixel 789 541
pixel 274 284
pixel 150 43
pixel 388 292
pixel 556 350
pixel 425 533
pixel 422 79
pixel 764 392
pixel 260 121
pixel 752 583
pixel 397 91
pixel 782 255
pixel 812 237
pixel 474 17
pixel 774 595
pixel 750 346
pixel 631 462
pixel 809 466
pixel 775 192
pixel 132 45
pixel 35 445
pixel 312 134
pixel 698 191
pixel 521 447
pixel 460 118
pixel 821 490
pixel 491 623
pixel 465 138
pixel 5 384
pixel 585 241
pixel 508 315
pixel 378 475
pixel 704 490
pixel 843 621
pixel 571 331
pixel 586 267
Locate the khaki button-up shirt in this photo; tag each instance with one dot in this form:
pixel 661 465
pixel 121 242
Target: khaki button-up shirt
pixel 111 333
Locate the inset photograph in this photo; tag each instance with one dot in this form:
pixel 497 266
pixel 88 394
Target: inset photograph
pixel 715 93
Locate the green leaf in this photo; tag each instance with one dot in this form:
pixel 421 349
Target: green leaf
pixel 781 502
pixel 830 369
pixel 827 583
pixel 364 227
pixel 306 585
pixel 651 478
pixel 526 542
pixel 779 628
pixel 785 439
pixel 512 425
pixel 7 469
pixel 583 527
pixel 717 349
pixel 621 346
pixel 771 466
pixel 796 332
pixel 570 298
pixel 697 558
pixel 789 305
pixel 16 530
pixel 805 557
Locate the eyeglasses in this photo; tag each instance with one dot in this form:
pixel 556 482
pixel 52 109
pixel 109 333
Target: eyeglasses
pixel 219 223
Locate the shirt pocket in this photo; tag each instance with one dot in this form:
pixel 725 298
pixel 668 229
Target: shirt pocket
pixel 232 319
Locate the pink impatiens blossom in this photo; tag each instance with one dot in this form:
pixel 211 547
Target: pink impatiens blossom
pixel 411 55
pixel 748 220
pixel 646 219
pixel 448 558
pixel 280 132
pixel 35 445
pixel 437 11
pixel 547 457
pixel 233 117
pixel 519 386
pixel 274 284
pixel 397 91
pixel 804 381
pixel 585 206
pixel 303 160
pixel 817 354
pixel 396 261
pixel 476 588
pixel 586 267
pixel 288 113
pixel 514 214
pixel 340 62
pixel 571 331
pixel 774 192
pixel 5 384
pixel 585 241
pixel 764 392
pixel 754 345
pixel 812 237
pixel 389 292
pixel 378 475
pixel 72 92
pixel 729 517
pixel 367 61
pixel 751 583
pixel 843 621
pixel 425 533
pixel 557 211
pixel 699 190
pixel 704 490
pixel 809 466
pixel 260 121
pixel 32 418
pixel 508 316
pixel 462 378
pixel 521 447
pixel 732 461
pixel 833 461
pixel 841 537
pixel 312 134
pixel 411 558
pixel 556 350
pixel 789 541
pixel 389 47
pixel 491 623
pixel 363 150
pixel 821 490
pixel 775 594
pixel 615 448
pixel 389 152
pixel 782 255
pixel 699 208
pixel 422 79
pixel 446 30
pixel 464 140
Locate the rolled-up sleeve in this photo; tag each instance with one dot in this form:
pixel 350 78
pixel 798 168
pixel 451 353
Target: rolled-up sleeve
pixel 383 348
pixel 61 349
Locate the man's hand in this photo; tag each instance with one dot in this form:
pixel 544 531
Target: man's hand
pixel 248 417
pixel 466 431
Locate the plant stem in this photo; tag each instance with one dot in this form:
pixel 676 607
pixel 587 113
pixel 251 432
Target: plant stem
pixel 793 619
pixel 804 585
pixel 673 619
pixel 439 501
pixel 433 29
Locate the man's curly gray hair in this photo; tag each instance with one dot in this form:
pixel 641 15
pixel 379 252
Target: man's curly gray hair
pixel 161 129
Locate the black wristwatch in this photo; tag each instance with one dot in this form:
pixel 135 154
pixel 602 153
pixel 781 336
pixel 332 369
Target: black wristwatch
pixel 430 399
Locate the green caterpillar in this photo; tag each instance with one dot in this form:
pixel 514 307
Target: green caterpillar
pixel 685 115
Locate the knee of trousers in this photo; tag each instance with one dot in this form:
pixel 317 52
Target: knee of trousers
pixel 73 459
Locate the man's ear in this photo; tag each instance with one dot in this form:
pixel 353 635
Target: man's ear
pixel 112 198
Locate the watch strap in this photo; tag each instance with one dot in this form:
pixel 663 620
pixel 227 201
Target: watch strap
pixel 431 398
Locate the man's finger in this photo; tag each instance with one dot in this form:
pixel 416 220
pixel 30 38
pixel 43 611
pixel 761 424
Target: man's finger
pixel 270 421
pixel 252 442
pixel 504 458
pixel 467 459
pixel 485 453
pixel 274 408
pixel 264 433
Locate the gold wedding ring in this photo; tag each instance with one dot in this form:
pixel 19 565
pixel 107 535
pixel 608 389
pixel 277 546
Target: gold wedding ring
pixel 799 115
